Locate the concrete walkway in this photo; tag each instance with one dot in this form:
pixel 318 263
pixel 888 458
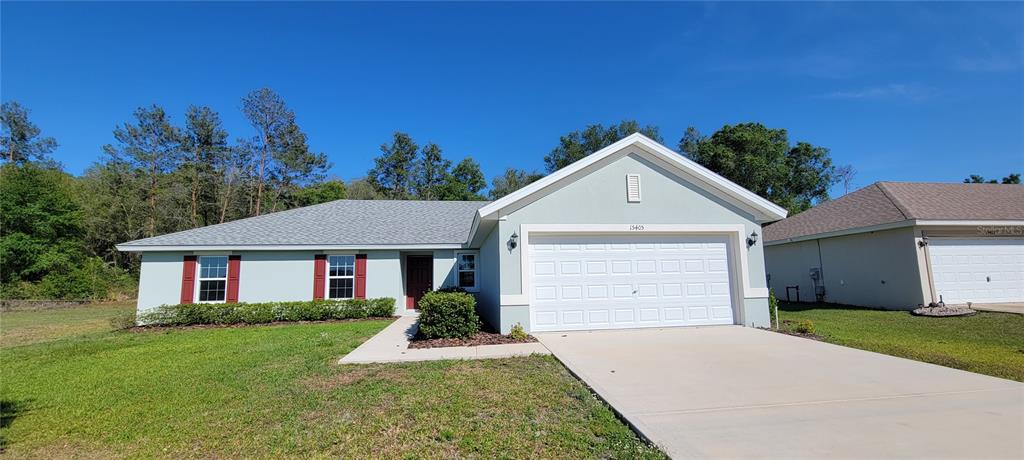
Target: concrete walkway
pixel 1017 308
pixel 736 392
pixel 391 345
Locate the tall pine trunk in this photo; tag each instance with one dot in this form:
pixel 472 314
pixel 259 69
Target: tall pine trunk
pixel 152 200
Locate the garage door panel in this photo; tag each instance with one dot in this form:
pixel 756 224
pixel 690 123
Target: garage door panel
pixel 978 270
pixel 629 281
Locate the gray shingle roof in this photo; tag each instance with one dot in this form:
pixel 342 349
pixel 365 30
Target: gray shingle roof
pixel 891 202
pixel 342 223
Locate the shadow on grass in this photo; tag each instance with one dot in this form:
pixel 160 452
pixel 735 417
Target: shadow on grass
pixel 9 411
pixel 804 306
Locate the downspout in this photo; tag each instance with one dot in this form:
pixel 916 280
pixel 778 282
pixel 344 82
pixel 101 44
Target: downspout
pixel 821 274
pixel 928 267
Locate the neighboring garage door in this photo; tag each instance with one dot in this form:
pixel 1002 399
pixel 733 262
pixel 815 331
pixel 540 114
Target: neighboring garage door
pixel 978 270
pixel 627 281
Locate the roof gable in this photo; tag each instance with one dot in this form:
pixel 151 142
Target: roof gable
pixel 762 209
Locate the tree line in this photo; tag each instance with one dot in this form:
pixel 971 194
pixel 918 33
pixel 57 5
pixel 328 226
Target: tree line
pixel 58 232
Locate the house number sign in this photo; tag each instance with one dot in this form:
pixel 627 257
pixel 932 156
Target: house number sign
pixel 636 228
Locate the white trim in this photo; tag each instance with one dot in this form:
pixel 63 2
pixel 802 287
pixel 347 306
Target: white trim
pixel 476 270
pixel 769 211
pixel 849 231
pixel 967 223
pixel 328 277
pixel 737 251
pixel 282 247
pixel 199 277
pixel 894 225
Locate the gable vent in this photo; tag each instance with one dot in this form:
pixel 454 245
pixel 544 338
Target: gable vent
pixel 632 188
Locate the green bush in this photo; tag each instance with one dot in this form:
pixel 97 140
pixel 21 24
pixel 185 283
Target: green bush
pixel 381 308
pixel 448 315
pixel 267 312
pixel 805 326
pixel 451 289
pixel 773 309
pixel 517 332
pixel 123 320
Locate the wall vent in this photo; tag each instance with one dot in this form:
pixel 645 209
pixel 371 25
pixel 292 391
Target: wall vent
pixel 632 188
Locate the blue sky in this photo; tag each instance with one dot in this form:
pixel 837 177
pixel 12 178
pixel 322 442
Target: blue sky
pixel 906 91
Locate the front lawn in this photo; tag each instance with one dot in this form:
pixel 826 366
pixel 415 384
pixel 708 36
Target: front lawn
pixel 273 391
pixel 986 343
pixel 32 326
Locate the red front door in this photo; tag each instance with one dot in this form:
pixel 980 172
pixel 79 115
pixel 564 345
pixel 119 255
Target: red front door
pixel 419 278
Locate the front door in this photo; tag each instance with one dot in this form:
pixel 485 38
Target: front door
pixel 419 279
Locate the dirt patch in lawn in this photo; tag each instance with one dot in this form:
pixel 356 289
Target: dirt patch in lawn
pixel 481 338
pixel 350 375
pixel 789 328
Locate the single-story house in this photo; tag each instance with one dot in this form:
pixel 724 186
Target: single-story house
pixel 899 245
pixel 634 235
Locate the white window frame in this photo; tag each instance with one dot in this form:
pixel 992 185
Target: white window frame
pixel 475 270
pixel 328 277
pixel 200 279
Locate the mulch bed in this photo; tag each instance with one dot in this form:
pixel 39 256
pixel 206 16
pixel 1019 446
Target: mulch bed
pixel 481 338
pixel 941 311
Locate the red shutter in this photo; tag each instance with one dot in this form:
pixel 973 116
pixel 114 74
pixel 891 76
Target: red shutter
pixel 360 276
pixel 319 275
pixel 234 266
pixel 188 279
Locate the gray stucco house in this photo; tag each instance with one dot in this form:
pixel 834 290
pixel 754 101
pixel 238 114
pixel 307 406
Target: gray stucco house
pixel 634 235
pixel 899 245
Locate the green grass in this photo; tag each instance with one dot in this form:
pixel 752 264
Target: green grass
pixel 33 326
pixel 276 391
pixel 986 343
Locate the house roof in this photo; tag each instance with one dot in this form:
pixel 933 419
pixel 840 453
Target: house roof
pixel 336 224
pixel 764 210
pixel 895 202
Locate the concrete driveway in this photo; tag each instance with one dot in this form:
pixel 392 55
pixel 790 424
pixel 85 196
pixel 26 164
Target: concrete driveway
pixel 732 391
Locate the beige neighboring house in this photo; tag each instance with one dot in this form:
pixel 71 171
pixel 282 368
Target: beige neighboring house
pixel 898 245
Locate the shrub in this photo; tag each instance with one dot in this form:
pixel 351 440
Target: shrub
pixel 266 312
pixel 123 320
pixel 451 289
pixel 517 332
pixel 805 326
pixel 773 309
pixel 448 315
pixel 381 308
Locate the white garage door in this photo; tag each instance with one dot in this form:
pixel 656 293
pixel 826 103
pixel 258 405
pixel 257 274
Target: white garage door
pixel 978 270
pixel 608 282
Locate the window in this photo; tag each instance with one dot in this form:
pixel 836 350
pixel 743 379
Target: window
pixel 466 270
pixel 341 277
pixel 213 278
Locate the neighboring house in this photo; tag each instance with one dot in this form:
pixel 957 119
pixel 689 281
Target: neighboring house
pixel 634 235
pixel 902 244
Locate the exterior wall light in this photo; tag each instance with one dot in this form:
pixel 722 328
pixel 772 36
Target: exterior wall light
pixel 752 239
pixel 513 240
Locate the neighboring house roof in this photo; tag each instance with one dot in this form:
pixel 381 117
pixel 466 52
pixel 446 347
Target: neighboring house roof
pixel 336 224
pixel 884 203
pixel 764 210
